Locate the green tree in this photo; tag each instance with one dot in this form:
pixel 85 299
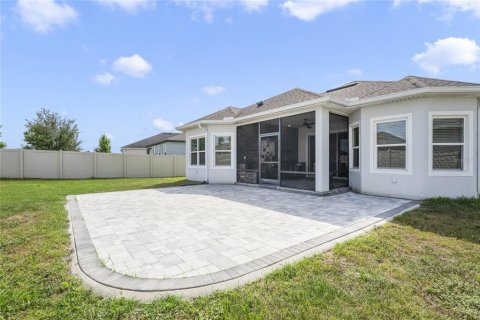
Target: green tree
pixel 104 144
pixel 2 144
pixel 49 131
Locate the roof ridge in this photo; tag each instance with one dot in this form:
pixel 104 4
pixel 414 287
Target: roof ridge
pixel 417 80
pixel 388 85
pixel 223 109
pixel 436 79
pixel 355 82
pixel 318 94
pixel 234 109
pixel 286 92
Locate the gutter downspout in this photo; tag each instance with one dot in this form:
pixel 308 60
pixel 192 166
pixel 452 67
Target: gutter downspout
pixel 206 150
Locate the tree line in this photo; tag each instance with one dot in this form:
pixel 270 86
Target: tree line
pixel 50 131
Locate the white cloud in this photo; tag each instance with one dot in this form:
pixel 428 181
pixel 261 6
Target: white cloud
pixel 451 6
pixel 104 79
pixel 448 52
pixel 129 6
pixel 254 5
pixel 109 135
pixel 213 90
pixel 43 15
pixel 355 72
pixel 203 8
pixel 308 10
pixel 206 8
pixel 134 66
pixel 163 125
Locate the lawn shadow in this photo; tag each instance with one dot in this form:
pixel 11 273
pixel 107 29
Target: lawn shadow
pixel 457 218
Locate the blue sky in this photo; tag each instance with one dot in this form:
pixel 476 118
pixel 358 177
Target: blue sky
pixel 132 69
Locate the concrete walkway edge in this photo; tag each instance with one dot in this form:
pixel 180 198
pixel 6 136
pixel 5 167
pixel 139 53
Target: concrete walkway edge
pixel 86 264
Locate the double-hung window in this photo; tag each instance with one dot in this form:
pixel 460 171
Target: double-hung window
pixel 450 143
pixel 197 151
pixel 355 151
pixel 391 144
pixel 223 151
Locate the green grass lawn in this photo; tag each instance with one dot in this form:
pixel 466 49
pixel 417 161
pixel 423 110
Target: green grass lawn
pixel 423 265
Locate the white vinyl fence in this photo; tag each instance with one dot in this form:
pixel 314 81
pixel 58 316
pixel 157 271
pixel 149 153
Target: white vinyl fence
pixel 41 164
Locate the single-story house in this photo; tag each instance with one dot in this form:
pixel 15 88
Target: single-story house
pixel 166 143
pixel 412 138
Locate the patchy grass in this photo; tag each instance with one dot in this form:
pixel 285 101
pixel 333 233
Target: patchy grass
pixel 423 265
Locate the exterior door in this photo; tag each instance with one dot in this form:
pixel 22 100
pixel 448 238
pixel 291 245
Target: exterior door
pixel 269 151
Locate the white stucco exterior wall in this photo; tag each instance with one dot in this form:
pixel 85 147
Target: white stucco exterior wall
pixel 210 172
pixel 355 175
pixel 418 184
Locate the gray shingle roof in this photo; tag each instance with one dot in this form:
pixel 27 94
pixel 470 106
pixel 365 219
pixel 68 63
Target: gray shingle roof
pixel 284 99
pixel 224 113
pixel 413 82
pixel 368 89
pixel 177 138
pixel 219 115
pixel 153 140
pixel 354 89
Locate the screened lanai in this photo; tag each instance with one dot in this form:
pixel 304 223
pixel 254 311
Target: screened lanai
pixel 278 152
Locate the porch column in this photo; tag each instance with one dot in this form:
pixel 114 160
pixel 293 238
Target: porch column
pixel 321 149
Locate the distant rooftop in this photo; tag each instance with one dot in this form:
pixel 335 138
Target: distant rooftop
pixel 157 139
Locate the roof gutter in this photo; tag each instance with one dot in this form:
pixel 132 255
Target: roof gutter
pixel 299 105
pixel 264 113
pixel 202 122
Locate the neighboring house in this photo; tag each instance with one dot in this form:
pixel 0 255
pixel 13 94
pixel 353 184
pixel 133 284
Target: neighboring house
pixel 161 144
pixel 413 138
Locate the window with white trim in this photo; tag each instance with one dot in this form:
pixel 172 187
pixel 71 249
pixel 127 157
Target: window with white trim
pixel 223 151
pixel 391 144
pixel 448 143
pixel 197 151
pixel 355 147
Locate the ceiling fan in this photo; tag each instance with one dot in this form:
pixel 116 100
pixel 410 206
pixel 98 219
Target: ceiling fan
pixel 305 124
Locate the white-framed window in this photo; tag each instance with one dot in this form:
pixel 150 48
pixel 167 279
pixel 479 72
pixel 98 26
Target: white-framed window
pixel 355 146
pixel 222 151
pixel 391 144
pixel 197 151
pixel 450 143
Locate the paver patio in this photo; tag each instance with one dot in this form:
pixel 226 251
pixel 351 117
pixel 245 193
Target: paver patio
pixel 198 231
